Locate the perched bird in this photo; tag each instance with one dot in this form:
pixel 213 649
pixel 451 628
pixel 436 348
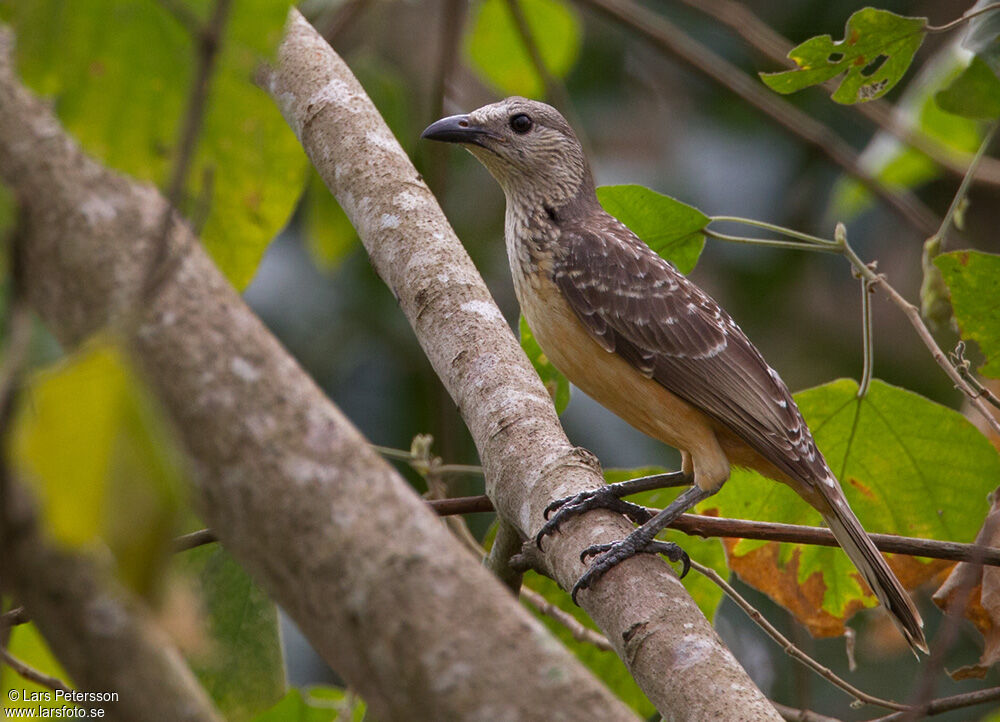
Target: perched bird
pixel 640 338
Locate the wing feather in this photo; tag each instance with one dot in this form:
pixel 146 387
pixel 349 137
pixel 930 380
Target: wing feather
pixel 637 305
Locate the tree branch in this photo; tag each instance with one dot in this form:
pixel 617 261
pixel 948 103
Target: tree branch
pixel 296 494
pixel 715 526
pixel 670 648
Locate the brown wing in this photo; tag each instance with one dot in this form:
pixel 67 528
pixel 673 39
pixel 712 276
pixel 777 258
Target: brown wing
pixel 637 305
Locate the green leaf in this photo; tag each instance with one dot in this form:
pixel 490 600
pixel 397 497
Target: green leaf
pixel 555 383
pixel 317 704
pixel 120 72
pixel 499 56
pixel 974 94
pixel 890 451
pixel 669 227
pixel 709 552
pixel 242 667
pixel 92 443
pixel 330 237
pixel 974 281
pixel 877 49
pixel 606 665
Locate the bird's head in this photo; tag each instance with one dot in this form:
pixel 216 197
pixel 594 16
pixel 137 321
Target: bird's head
pixel 528 147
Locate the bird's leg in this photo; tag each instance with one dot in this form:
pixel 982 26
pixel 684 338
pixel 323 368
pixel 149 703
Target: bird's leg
pixel 609 497
pixel 642 540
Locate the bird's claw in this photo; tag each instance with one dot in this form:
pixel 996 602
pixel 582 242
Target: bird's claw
pixel 603 498
pixel 610 555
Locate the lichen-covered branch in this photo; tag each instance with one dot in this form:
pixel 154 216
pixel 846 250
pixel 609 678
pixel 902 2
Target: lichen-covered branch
pixel 291 488
pixel 644 610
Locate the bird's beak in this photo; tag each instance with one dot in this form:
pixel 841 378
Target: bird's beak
pixel 457 129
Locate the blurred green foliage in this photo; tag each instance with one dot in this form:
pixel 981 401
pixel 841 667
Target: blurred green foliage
pixel 239 662
pixel 316 704
pixel 92 443
pixel 120 73
pixel 497 51
pixel 974 281
pixel 890 451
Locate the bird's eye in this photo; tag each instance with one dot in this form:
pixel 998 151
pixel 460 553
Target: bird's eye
pixel 520 123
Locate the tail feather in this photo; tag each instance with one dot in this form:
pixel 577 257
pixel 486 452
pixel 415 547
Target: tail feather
pixel 876 572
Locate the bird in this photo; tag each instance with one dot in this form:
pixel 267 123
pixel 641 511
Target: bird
pixel 635 334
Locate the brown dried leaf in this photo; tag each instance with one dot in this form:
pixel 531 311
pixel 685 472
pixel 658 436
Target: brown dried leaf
pixel 975 592
pixel 762 569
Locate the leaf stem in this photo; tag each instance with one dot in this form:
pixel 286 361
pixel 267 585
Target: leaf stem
pixel 790 232
pixel 965 18
pixel 963 187
pixel 867 339
pixel 772 243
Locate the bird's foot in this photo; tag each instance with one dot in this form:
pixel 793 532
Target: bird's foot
pixel 606 497
pixel 610 555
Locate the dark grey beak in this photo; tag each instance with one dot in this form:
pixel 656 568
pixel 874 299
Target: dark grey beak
pixel 456 129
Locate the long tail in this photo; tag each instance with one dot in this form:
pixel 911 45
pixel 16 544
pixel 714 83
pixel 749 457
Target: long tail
pixel 872 565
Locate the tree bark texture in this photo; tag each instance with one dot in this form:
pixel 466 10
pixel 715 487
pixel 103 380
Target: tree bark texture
pixel 655 626
pixel 386 595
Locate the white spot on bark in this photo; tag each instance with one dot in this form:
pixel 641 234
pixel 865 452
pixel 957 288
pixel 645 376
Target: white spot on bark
pixel 97 209
pixel 482 308
pixel 389 221
pixel 243 369
pixel 407 200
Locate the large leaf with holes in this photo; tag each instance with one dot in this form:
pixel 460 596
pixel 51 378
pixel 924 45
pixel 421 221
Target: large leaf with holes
pixel 973 279
pixel 671 228
pixel 120 74
pixel 240 662
pixel 498 53
pixel 908 466
pixel 93 445
pixel 877 49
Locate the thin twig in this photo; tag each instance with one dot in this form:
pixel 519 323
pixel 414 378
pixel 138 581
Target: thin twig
pixel 963 188
pixel 947 704
pixel 208 41
pixel 913 314
pixel 13 617
pixel 333 25
pixel 714 526
pixel 786 644
pixel 183 14
pixel 764 39
pixel 580 632
pixel 961 365
pixel 554 89
pixel 792 714
pixel 874 280
pixel 194 539
pixel 673 41
pixel 31 674
pixel 769 242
